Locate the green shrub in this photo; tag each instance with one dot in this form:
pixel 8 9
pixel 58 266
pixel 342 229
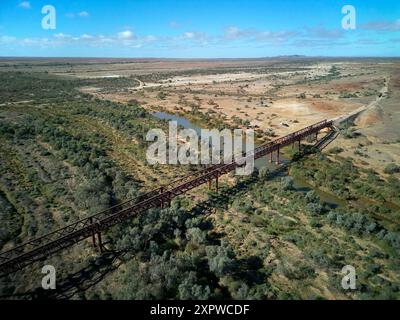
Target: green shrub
pixel 287 183
pixel 336 150
pixel 392 168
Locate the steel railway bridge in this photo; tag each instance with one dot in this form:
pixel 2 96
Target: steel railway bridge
pixel 93 226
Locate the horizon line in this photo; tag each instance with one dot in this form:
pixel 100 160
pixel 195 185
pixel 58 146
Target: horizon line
pixel 205 58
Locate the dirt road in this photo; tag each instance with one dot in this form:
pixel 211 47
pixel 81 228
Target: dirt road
pixel 382 94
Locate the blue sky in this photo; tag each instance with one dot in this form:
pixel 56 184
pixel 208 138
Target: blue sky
pixel 199 28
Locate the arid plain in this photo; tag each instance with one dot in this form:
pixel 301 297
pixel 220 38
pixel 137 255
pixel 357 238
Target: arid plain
pixel 273 96
pixel 73 143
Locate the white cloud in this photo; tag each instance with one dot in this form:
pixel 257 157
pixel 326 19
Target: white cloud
pixel 83 14
pixel 61 36
pixel 7 39
pixel 234 33
pixel 127 38
pixel 189 35
pixel 25 5
pixel 87 36
pixel 384 25
pixel 150 38
pixel 192 36
pixel 324 33
pixel 232 36
pixel 126 35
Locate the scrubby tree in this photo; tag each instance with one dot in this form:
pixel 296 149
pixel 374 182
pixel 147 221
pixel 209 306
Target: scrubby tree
pixel 392 168
pixel 189 289
pixel 263 173
pixel 196 236
pixel 312 197
pixel 287 183
pixel 220 259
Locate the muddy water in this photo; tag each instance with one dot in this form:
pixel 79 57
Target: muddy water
pixel 182 121
pixel 330 199
pixel 300 186
pixel 186 124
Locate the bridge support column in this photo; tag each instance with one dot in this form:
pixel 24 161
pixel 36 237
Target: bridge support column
pixel 100 241
pixel 169 200
pixel 277 156
pixel 162 199
pixel 216 184
pixel 270 157
pixel 299 144
pixel 209 184
pixel 93 233
pixel 316 136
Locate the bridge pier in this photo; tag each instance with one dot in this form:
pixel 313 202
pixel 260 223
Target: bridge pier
pixel 277 156
pixel 100 242
pixel 270 157
pixel 216 184
pixel 162 199
pixel 93 233
pixel 169 200
pixel 94 240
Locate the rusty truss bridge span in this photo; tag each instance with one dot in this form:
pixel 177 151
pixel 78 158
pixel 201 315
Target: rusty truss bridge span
pixel 93 226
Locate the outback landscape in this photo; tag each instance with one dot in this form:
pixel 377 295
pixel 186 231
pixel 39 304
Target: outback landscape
pixel 73 143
